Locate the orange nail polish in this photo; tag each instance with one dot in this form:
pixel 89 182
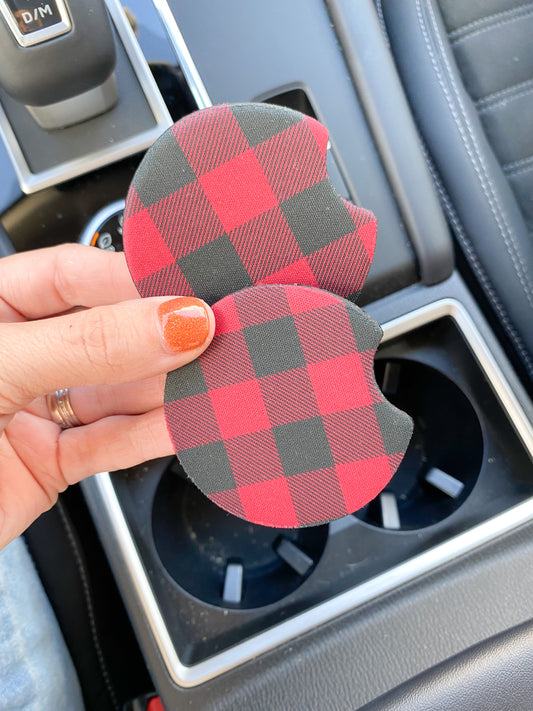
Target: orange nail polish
pixel 184 323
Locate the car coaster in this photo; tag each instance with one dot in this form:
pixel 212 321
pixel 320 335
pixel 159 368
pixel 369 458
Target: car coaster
pixel 233 196
pixel 280 421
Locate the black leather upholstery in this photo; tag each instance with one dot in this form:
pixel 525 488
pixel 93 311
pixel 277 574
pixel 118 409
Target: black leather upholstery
pixel 495 57
pixel 495 675
pixel 468 71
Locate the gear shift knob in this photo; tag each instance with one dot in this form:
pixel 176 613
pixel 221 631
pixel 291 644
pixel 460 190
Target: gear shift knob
pixel 57 57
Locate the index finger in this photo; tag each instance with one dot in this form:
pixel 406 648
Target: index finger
pixel 52 280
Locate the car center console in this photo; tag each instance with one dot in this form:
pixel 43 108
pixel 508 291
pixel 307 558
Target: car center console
pixel 232 615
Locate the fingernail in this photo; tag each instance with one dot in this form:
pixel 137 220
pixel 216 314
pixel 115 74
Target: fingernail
pixel 184 323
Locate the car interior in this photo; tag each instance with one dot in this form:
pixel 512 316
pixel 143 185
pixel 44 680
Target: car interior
pixel 421 600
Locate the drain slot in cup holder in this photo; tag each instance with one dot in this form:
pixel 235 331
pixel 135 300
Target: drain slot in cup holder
pixel 444 458
pixel 223 560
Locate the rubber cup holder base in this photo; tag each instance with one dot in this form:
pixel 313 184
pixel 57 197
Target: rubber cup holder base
pixel 443 460
pixel 223 560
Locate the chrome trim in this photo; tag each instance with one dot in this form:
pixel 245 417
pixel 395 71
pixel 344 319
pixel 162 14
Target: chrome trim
pixel 98 220
pixel 58 28
pixel 187 65
pixel 32 182
pixel 101 487
pixel 76 109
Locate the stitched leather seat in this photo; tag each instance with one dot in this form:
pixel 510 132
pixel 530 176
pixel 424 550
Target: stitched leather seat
pixel 467 68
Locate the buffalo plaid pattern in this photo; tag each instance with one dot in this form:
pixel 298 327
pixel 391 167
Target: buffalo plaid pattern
pixel 280 421
pixel 238 195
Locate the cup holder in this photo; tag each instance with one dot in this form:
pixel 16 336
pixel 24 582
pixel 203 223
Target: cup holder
pixel 230 563
pixel 223 560
pixel 442 463
pixel 219 581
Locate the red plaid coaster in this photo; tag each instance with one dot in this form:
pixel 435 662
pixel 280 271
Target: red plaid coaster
pixel 238 195
pixel 280 421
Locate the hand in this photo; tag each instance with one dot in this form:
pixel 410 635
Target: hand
pixel 113 354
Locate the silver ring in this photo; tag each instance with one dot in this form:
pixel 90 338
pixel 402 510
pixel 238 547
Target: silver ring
pixel 60 409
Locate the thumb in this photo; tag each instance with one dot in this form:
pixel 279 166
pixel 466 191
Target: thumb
pixel 125 342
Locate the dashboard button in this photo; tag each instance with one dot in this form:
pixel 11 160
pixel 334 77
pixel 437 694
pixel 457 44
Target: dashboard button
pixel 35 21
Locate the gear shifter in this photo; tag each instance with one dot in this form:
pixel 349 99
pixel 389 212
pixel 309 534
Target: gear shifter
pixel 57 58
